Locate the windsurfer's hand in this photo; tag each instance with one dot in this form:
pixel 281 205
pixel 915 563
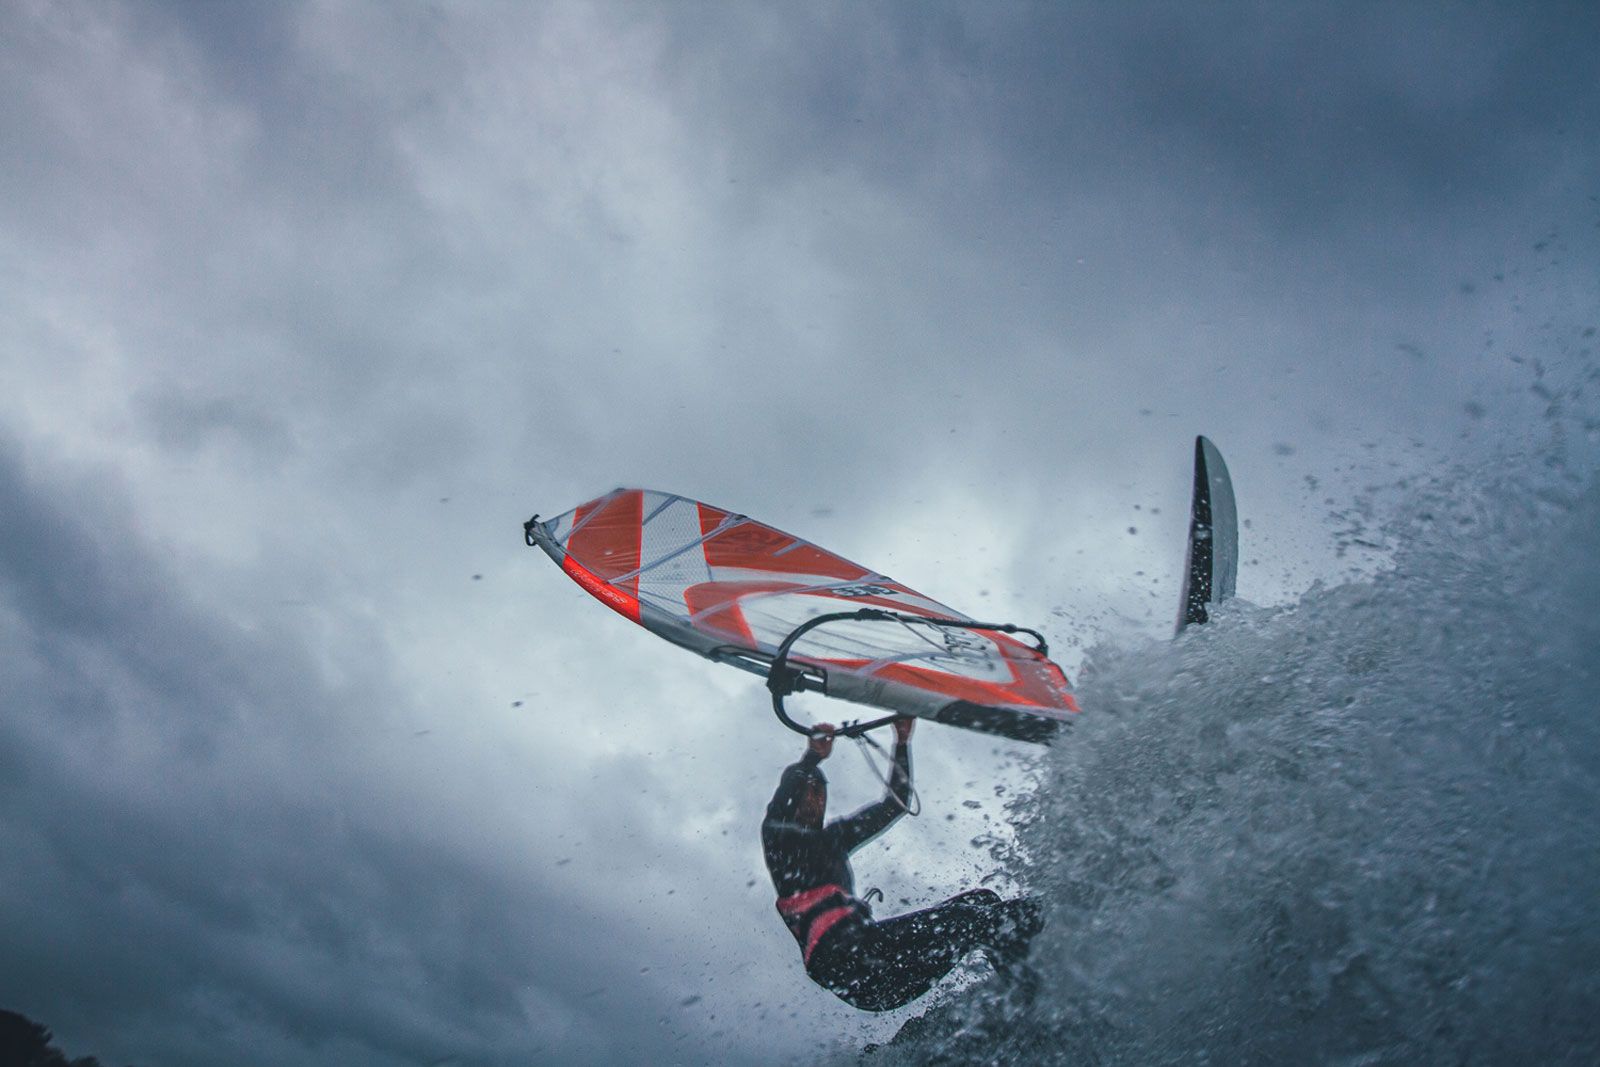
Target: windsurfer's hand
pixel 902 728
pixel 821 740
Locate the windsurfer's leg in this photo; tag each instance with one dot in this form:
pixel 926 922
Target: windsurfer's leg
pixel 1004 927
pixel 895 961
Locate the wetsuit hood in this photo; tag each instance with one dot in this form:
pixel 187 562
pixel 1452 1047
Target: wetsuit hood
pixel 798 780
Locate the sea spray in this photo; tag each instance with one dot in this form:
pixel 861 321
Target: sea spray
pixel 1363 827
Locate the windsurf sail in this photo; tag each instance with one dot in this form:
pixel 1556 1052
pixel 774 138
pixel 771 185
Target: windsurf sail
pixel 1212 562
pixel 741 592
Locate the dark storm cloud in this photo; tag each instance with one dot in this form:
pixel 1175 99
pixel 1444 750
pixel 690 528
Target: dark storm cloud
pixel 171 852
pixel 1295 164
pixel 1311 113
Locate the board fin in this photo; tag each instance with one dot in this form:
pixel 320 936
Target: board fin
pixel 1212 562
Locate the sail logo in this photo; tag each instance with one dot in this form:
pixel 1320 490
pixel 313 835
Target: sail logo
pixel 862 590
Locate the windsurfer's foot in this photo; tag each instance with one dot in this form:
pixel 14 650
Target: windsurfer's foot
pixel 1017 922
pixel 986 897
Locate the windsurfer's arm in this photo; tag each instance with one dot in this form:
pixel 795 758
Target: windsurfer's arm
pixel 853 831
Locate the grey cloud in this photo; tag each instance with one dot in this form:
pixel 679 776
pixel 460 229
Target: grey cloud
pixel 172 850
pixel 187 424
pixel 1363 108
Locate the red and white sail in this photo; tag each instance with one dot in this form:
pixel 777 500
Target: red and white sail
pixel 728 587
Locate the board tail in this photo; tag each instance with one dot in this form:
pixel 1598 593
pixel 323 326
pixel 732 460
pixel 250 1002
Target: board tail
pixel 1212 562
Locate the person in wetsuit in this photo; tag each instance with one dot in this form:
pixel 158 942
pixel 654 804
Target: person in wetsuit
pixel 874 965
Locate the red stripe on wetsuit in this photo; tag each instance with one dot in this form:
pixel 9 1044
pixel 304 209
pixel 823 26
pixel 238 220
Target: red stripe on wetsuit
pixel 811 913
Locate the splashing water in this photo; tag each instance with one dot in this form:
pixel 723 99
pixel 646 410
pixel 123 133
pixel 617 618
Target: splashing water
pixel 1358 829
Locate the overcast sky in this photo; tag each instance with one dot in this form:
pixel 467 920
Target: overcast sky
pixel 305 307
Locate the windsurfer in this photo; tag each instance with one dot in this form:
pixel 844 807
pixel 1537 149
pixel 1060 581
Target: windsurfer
pixel 874 965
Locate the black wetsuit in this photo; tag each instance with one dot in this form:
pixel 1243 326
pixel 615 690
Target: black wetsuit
pixel 873 965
